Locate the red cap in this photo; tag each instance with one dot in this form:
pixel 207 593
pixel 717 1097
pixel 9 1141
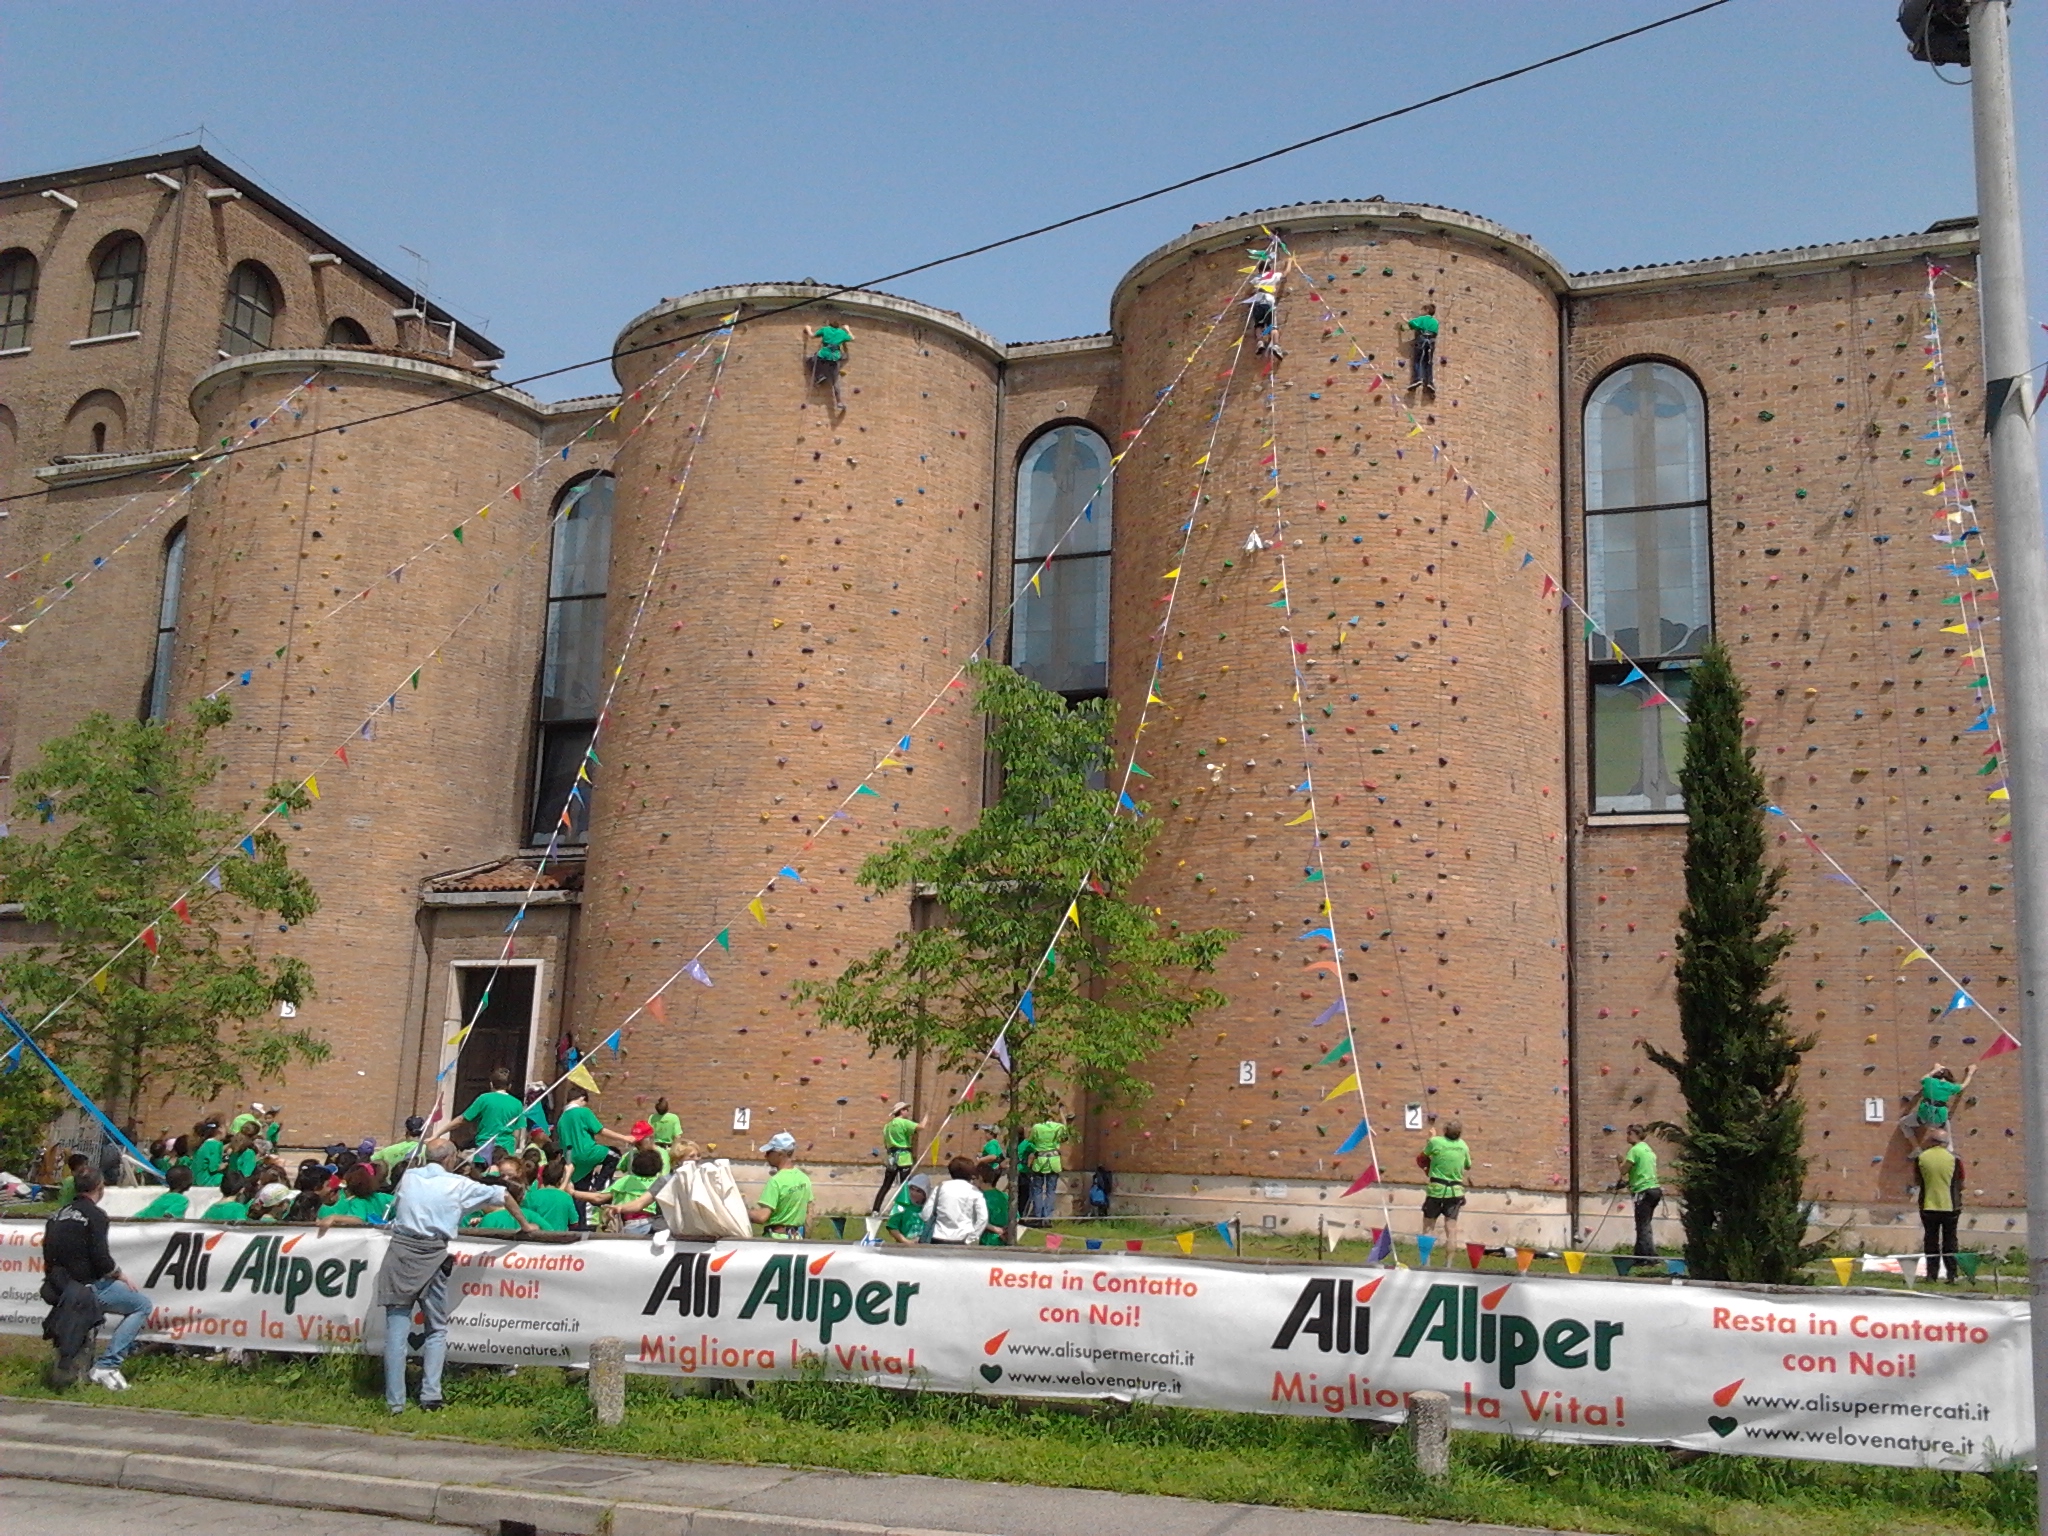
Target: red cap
pixel 641 1128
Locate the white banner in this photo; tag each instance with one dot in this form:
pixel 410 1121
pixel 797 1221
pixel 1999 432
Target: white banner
pixel 1905 1379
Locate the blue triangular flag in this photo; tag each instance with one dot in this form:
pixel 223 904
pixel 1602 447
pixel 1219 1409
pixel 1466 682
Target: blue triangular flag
pixel 787 873
pixel 611 1042
pixel 1674 1266
pixel 1093 1243
pixel 1352 1141
pixel 1425 1245
pixel 14 1059
pixel 1635 675
pixel 249 846
pixel 1027 1007
pixel 1223 1231
pixel 1320 933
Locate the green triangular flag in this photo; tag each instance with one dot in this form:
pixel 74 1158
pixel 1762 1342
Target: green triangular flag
pixel 1873 917
pixel 1491 519
pixel 415 680
pixel 458 533
pixel 725 939
pixel 1968 1262
pixel 1337 1053
pixel 1141 773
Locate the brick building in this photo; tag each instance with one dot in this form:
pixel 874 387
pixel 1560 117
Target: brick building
pixel 760 593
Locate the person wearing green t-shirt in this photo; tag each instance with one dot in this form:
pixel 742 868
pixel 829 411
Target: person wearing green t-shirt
pixel 1446 1157
pixel 667 1124
pixel 491 1112
pixel 899 1150
pixel 172 1203
pixel 785 1203
pixel 400 1152
pixel 833 340
pixel 1938 1090
pixel 1639 1167
pixel 548 1203
pixel 1047 1136
pixel 1940 1178
pixel 998 1203
pixel 906 1217
pixel 208 1154
pixel 1423 331
pixel 992 1149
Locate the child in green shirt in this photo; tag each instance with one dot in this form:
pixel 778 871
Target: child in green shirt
pixel 785 1203
pixel 172 1203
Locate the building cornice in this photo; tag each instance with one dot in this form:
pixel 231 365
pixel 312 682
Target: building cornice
pixel 1066 346
pixel 772 296
pixel 1364 217
pixel 102 466
pixel 1790 262
pixel 379 365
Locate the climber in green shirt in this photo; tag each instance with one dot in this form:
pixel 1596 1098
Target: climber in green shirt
pixel 1422 331
pixel 1938 1090
pixel 899 1154
pixel 833 340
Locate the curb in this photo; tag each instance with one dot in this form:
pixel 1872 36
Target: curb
pixel 475 1506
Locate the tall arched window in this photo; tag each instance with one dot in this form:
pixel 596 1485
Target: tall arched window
pixel 1649 579
pixel 572 664
pixel 250 318
pixel 1059 631
pixel 167 625
pixel 17 298
pixel 117 287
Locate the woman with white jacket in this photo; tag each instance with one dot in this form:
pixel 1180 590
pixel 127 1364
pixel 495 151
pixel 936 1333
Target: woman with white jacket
pixel 958 1214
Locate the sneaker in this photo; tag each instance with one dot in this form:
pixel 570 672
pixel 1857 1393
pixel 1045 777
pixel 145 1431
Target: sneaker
pixel 435 1406
pixel 109 1377
pixel 396 1409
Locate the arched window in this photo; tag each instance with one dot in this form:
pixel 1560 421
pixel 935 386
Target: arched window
pixel 1059 631
pixel 17 299
pixel 117 287
pixel 167 625
pixel 344 332
pixel 1649 580
pixel 572 664
pixel 250 318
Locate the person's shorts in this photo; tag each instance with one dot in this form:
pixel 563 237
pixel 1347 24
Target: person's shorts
pixel 1933 1114
pixel 1447 1207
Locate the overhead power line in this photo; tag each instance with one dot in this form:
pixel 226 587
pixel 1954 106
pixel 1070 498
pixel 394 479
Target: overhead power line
pixel 497 386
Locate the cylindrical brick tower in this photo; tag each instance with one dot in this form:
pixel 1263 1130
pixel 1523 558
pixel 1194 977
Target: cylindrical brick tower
pixel 826 575
pixel 1431 684
pixel 276 543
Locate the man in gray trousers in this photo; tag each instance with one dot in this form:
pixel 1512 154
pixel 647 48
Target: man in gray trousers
pixel 433 1200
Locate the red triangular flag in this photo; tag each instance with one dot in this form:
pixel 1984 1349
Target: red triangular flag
pixel 2004 1045
pixel 1365 1180
pixel 1134 1244
pixel 1053 1241
pixel 1475 1254
pixel 517 494
pixel 658 1008
pixel 149 938
pixel 342 753
pixel 184 912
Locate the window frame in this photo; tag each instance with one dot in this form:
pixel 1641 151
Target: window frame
pixel 1020 563
pixel 17 330
pixel 1602 671
pixel 170 596
pixel 117 317
pixel 329 340
pixel 238 306
pixel 550 734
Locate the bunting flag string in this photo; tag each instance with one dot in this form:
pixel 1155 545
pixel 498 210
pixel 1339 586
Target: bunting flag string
pixel 42 602
pixel 903 744
pixel 1956 524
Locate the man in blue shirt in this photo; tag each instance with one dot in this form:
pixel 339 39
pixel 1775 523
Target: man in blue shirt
pixel 432 1201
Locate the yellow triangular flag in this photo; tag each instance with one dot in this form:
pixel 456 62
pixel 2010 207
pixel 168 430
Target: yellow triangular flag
pixel 1349 1085
pixel 2001 793
pixel 1917 954
pixel 1270 494
pixel 1186 1241
pixel 1307 815
pixel 460 1035
pixel 1171 574
pixel 580 1076
pixel 313 786
pixel 1034 583
pixel 1153 698
pixel 1573 1262
pixel 99 982
pixel 1955 629
pixel 1201 461
pixel 760 914
pixel 1074 913
pixel 1278 586
pixel 1842 1267
pixel 1980 575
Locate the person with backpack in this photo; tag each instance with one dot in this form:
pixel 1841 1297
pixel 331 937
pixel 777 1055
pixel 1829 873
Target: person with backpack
pixel 76 1259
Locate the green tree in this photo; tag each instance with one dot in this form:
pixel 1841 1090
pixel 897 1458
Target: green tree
pixel 1741 1168
pixel 1120 984
pixel 185 1012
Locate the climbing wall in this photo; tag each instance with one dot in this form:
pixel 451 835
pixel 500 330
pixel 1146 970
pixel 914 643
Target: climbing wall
pixel 1432 690
pixel 1865 709
pixel 826 575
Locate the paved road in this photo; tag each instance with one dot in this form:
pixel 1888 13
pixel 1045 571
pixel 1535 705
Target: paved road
pixel 72 1509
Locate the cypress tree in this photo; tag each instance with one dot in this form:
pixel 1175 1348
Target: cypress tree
pixel 1741 1169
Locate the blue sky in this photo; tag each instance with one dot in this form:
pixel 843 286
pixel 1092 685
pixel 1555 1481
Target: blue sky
pixel 562 167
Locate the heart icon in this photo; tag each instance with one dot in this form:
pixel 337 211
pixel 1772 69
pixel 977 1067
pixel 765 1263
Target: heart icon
pixel 1720 1426
pixel 994 1373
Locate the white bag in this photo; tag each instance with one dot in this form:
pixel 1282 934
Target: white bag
pixel 704 1200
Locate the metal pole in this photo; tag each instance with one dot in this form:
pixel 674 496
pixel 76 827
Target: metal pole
pixel 2023 593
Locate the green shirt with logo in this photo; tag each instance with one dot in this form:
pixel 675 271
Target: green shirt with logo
pixel 898 1136
pixel 787 1194
pixel 1448 1161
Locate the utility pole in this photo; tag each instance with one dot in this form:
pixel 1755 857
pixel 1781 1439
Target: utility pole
pixel 1936 32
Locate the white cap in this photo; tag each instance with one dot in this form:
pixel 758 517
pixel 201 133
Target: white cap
pixel 781 1141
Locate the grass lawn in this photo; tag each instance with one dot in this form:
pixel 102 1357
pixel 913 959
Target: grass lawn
pixel 1244 1457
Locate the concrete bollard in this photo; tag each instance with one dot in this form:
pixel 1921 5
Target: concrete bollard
pixel 1429 1433
pixel 608 1380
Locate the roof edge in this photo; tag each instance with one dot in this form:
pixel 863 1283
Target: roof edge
pixel 1792 260
pixel 377 364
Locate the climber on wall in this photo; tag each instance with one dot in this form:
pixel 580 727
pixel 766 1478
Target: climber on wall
pixel 1938 1089
pixel 833 340
pixel 1264 301
pixel 1422 329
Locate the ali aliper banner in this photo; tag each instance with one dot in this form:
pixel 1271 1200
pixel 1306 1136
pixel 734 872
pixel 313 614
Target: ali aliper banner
pixel 1903 1379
